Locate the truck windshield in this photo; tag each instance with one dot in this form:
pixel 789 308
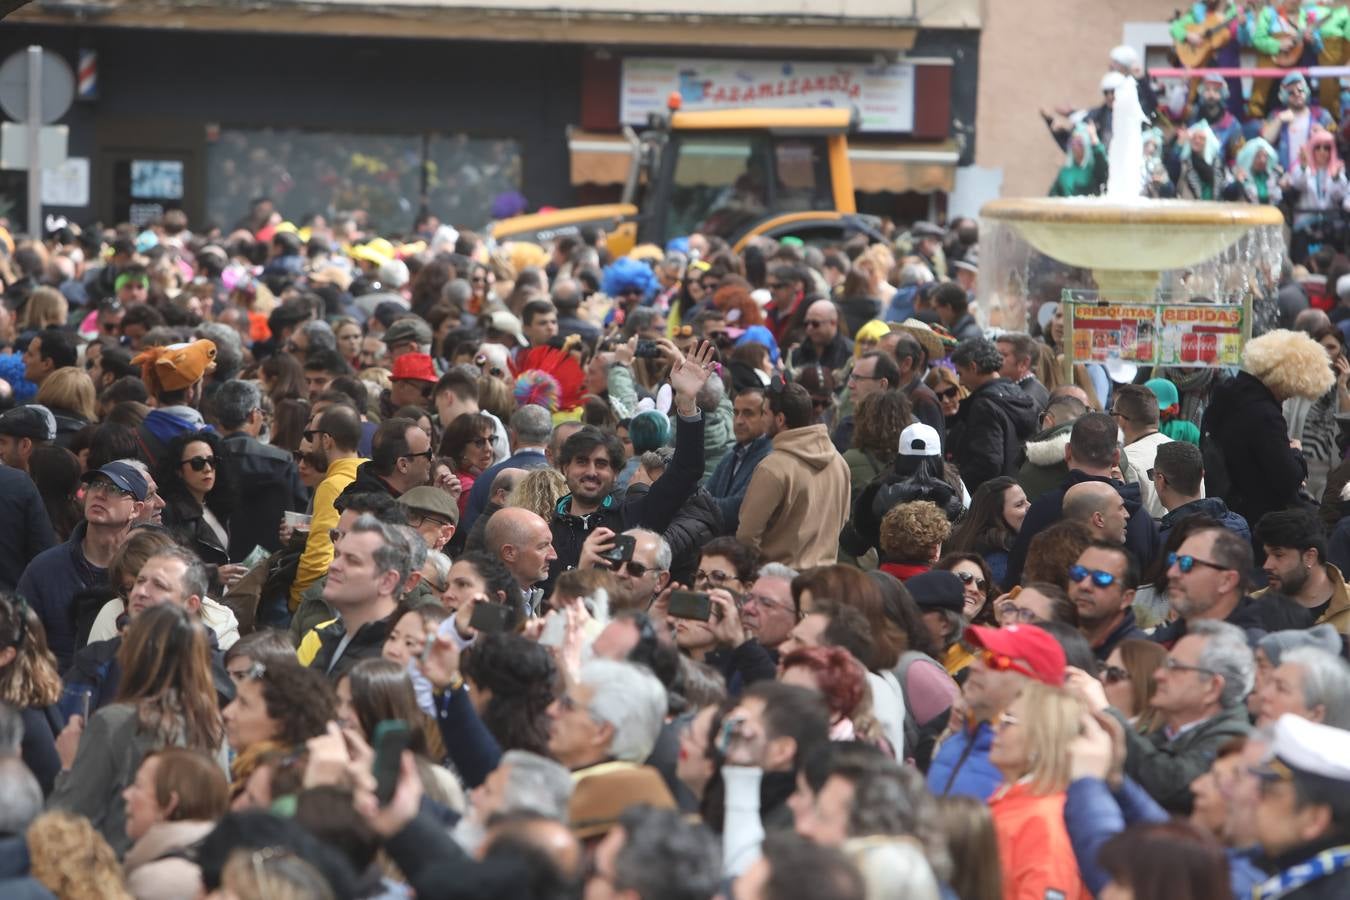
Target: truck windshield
pixel 723 183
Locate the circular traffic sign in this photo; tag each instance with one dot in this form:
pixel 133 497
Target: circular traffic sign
pixel 58 87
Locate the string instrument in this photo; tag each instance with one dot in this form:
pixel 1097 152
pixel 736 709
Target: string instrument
pixel 1292 55
pixel 1213 33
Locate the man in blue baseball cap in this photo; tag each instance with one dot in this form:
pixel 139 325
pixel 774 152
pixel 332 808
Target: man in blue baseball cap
pixel 114 497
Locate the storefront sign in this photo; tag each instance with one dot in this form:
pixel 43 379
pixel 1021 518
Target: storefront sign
pixel 882 94
pixel 1189 335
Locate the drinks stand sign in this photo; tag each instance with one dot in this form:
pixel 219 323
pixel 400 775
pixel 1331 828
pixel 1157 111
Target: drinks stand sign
pixel 1191 335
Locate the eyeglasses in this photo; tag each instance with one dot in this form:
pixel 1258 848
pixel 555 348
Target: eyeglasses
pixel 1185 563
pixel 967 578
pixel 764 602
pixel 199 463
pixel 1115 675
pixel 1010 613
pixel 816 323
pixel 703 579
pixel 997 662
pixel 427 453
pixel 950 393
pixel 481 442
pixel 107 487
pixel 417 520
pixel 1173 665
pixel 1099 578
pixel 634 569
pixel 854 376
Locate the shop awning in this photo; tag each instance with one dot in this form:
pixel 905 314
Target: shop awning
pixel 878 166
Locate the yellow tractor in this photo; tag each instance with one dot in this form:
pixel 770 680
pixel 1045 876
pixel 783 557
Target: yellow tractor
pixel 735 173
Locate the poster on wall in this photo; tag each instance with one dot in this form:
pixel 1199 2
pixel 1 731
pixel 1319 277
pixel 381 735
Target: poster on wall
pixel 1158 334
pixel 882 94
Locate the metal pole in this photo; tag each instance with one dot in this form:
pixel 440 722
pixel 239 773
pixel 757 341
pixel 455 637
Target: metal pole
pixel 34 142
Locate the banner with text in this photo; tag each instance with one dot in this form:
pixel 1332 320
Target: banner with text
pixel 1158 334
pixel 882 94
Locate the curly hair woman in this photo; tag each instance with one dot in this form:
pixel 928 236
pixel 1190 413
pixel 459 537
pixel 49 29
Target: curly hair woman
pixel 912 535
pixel 72 860
pixel 879 419
pixel 277 706
pixel 468 442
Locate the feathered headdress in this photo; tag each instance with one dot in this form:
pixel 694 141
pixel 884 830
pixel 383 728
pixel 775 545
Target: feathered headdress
pixel 550 377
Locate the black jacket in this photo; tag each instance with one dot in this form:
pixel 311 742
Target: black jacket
pixel 697 522
pixel 268 485
pixel 995 421
pixel 653 509
pixel 25 530
pixel 1141 534
pixel 68 424
pixel 1127 630
pixel 1247 422
pixel 1256 616
pixel 185 519
pixel 367 482
pixel 367 643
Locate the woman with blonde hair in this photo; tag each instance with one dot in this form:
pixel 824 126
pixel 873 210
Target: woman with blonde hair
pixel 30 684
pixel 1031 746
pixel 46 308
pixel 969 829
pixel 69 393
pixel 944 382
pixel 539 491
pixel 72 860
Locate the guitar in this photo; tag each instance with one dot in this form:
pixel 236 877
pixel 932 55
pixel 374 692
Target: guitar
pixel 1292 55
pixel 1213 33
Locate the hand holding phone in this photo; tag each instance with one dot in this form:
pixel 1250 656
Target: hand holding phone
pixel 689 605
pixel 392 737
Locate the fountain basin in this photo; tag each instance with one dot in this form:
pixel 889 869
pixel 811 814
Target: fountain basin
pixel 1142 236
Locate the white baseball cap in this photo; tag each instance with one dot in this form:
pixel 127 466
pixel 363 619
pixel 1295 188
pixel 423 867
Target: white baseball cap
pixel 920 440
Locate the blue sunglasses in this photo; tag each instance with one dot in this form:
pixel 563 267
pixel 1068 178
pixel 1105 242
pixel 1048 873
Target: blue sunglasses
pixel 1099 578
pixel 1185 563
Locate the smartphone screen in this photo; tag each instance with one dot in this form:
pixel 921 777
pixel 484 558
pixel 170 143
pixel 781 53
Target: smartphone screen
pixel 689 605
pixel 392 737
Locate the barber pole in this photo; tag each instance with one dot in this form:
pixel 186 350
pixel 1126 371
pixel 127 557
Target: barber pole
pixel 88 75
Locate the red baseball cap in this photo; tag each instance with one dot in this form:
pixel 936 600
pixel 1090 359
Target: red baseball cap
pixel 1025 649
pixel 414 366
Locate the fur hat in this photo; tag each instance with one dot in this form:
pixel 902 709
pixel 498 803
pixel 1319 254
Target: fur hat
pixel 180 366
pixel 1290 363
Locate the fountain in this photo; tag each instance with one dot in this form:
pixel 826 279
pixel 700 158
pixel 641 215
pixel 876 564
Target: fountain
pixel 1136 248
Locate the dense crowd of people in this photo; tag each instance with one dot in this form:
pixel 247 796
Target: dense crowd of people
pixel 438 568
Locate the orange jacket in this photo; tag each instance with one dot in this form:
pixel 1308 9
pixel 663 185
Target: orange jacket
pixel 1033 845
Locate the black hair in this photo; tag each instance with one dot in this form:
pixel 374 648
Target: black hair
pixel 794 403
pixel 1181 465
pixel 952 295
pixel 979 352
pixel 323 360
pixel 795 712
pixel 116 361
pixel 1131 577
pixel 378 504
pixel 58 346
pixel 1094 439
pixel 743 556
pixel 256 830
pixel 520 675
pixel 343 425
pixel 1296 529
pixel 884 367
pixel 353 388
pixel 584 442
pixel 390 444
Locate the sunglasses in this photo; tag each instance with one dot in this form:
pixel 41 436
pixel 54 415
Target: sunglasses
pixel 1186 563
pixel 967 578
pixel 312 434
pixel 634 569
pixel 1099 578
pixel 1115 675
pixel 949 394
pixel 427 453
pixel 199 463
pixel 703 579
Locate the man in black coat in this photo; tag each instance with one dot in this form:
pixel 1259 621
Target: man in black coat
pixel 265 477
pixel 25 529
pixel 994 421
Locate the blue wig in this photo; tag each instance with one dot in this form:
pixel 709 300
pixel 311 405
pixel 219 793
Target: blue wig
pixel 758 334
pixel 626 274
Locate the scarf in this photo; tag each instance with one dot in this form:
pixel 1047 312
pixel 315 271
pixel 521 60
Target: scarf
pixel 1328 862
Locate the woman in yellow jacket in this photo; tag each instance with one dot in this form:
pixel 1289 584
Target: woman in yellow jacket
pixel 1031 749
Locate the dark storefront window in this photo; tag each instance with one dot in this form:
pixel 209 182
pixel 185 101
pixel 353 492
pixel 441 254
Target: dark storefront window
pixel 387 175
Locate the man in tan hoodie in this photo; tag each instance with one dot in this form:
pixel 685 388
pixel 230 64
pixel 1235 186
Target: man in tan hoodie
pixel 798 499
